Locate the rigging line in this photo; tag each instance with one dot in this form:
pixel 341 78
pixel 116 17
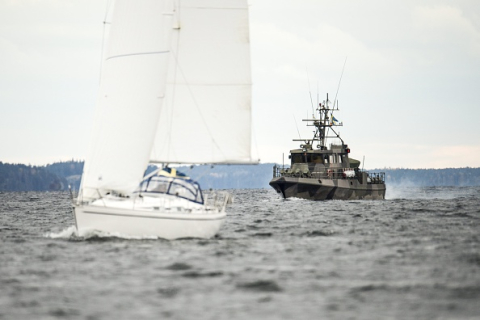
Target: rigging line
pixel 206 170
pixel 103 41
pixel 339 81
pixel 179 6
pixel 197 106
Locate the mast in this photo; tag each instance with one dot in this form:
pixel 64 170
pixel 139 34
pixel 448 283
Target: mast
pixel 324 122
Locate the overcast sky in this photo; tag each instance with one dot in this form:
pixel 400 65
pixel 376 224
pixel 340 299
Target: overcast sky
pixel 409 96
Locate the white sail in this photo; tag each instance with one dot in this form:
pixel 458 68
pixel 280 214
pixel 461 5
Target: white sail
pixel 206 117
pixel 131 94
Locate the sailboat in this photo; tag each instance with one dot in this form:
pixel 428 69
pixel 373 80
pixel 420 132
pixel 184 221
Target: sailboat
pixel 175 89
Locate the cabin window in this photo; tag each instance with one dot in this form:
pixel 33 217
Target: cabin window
pixel 157 185
pixel 315 158
pixel 309 157
pixel 183 188
pixel 298 158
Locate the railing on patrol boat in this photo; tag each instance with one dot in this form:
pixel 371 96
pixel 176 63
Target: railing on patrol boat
pixel 338 173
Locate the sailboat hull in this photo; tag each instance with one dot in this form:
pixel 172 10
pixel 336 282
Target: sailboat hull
pixel 136 223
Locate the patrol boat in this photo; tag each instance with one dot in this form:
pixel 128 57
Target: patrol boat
pixel 325 173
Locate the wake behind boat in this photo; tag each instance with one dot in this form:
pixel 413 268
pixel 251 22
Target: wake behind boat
pixel 175 89
pixel 324 173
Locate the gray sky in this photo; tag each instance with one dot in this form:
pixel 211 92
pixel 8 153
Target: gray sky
pixel 409 96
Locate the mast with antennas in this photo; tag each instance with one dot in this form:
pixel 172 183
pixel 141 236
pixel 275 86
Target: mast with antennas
pixel 325 121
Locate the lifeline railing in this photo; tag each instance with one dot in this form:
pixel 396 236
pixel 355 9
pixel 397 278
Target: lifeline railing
pixel 217 199
pixel 212 199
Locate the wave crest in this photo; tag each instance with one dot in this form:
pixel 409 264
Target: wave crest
pixel 87 234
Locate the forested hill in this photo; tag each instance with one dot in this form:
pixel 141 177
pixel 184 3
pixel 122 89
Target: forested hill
pixel 57 176
pixel 20 177
pixel 71 171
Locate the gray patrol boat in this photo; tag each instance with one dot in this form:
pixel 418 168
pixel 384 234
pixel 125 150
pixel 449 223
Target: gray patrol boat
pixel 323 173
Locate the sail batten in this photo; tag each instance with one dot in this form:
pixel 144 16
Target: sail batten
pixel 137 54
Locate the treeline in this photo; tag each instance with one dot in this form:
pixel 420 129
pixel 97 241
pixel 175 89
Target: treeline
pixel 20 177
pixel 66 169
pixel 71 171
pixel 58 176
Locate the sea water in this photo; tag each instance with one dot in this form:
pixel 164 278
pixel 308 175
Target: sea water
pixel 415 255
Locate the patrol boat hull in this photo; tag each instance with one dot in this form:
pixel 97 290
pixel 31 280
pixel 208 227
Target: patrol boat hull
pixel 327 189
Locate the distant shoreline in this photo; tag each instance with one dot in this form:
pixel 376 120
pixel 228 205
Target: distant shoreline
pixel 58 176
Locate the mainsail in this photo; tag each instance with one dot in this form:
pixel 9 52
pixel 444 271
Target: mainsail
pixel 131 93
pixel 206 117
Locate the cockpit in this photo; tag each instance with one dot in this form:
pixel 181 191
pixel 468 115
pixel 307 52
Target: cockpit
pixel 179 187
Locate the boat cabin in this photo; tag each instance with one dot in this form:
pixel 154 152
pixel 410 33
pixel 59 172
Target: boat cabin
pixel 178 187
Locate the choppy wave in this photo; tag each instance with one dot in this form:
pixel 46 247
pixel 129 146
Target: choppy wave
pixel 71 232
pixel 295 199
pixel 64 234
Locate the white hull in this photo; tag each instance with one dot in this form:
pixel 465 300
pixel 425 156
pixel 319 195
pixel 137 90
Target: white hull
pixel 167 223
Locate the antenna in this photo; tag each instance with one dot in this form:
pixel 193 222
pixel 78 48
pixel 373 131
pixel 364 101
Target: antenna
pixel 299 137
pixel 309 91
pixel 339 81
